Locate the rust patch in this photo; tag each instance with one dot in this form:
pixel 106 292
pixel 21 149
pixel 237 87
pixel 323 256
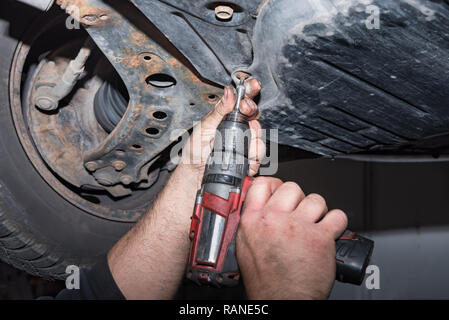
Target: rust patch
pixel 82 11
pixel 130 59
pixel 138 38
pixel 155 65
pixel 173 62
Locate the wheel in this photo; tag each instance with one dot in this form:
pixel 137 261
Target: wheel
pixel 47 221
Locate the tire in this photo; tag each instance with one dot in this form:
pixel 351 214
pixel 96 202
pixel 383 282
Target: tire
pixel 40 232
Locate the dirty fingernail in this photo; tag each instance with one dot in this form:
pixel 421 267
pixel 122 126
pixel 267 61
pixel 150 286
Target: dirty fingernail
pixel 226 94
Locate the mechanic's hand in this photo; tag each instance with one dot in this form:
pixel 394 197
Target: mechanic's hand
pixel 286 242
pixel 200 143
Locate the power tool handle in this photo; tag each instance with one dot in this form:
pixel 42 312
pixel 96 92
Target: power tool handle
pixel 353 253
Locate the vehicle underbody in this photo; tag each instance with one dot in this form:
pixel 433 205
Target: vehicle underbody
pixel 332 86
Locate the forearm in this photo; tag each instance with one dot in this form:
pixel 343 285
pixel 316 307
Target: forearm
pixel 149 261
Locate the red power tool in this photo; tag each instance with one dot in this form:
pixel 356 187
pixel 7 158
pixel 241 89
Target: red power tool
pixel 216 216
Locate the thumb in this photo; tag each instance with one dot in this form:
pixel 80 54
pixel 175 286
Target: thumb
pixel 223 107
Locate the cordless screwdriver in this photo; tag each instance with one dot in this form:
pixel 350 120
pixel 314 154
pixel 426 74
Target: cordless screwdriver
pixel 212 259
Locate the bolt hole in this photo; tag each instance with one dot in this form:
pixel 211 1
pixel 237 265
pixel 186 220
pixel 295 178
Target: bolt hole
pixel 160 115
pixel 212 98
pixel 120 152
pixel 160 80
pixel 136 147
pixel 147 58
pixel 152 131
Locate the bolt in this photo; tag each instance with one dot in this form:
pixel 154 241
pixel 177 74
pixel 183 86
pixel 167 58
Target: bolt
pixel 224 12
pixel 90 18
pixel 119 165
pixel 91 165
pixel 126 179
pixel 46 103
pixel 242 75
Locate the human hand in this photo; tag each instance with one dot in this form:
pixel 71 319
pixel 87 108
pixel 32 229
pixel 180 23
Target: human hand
pixel 286 242
pixel 200 143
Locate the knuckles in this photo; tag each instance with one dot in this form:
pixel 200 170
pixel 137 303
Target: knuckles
pixel 317 200
pixel 341 216
pixel 266 180
pixel 293 187
pixel 339 221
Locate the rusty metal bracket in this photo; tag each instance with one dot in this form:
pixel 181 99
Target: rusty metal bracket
pixel 165 94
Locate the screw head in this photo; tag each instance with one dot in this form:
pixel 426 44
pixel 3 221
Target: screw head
pixel 242 75
pixel 126 179
pixel 224 12
pixel 91 166
pixel 119 165
pixel 46 103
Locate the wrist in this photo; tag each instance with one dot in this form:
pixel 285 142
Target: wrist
pixel 191 172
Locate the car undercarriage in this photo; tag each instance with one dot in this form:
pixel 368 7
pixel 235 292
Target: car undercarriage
pixel 100 134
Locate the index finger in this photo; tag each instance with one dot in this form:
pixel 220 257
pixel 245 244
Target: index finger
pixel 252 88
pixel 260 192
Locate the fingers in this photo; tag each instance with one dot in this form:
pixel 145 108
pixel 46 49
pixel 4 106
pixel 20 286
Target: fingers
pixel 312 208
pixel 272 197
pixel 260 191
pixel 334 222
pixel 224 106
pixel 252 88
pixel 256 148
pixel 285 199
pixel 249 108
